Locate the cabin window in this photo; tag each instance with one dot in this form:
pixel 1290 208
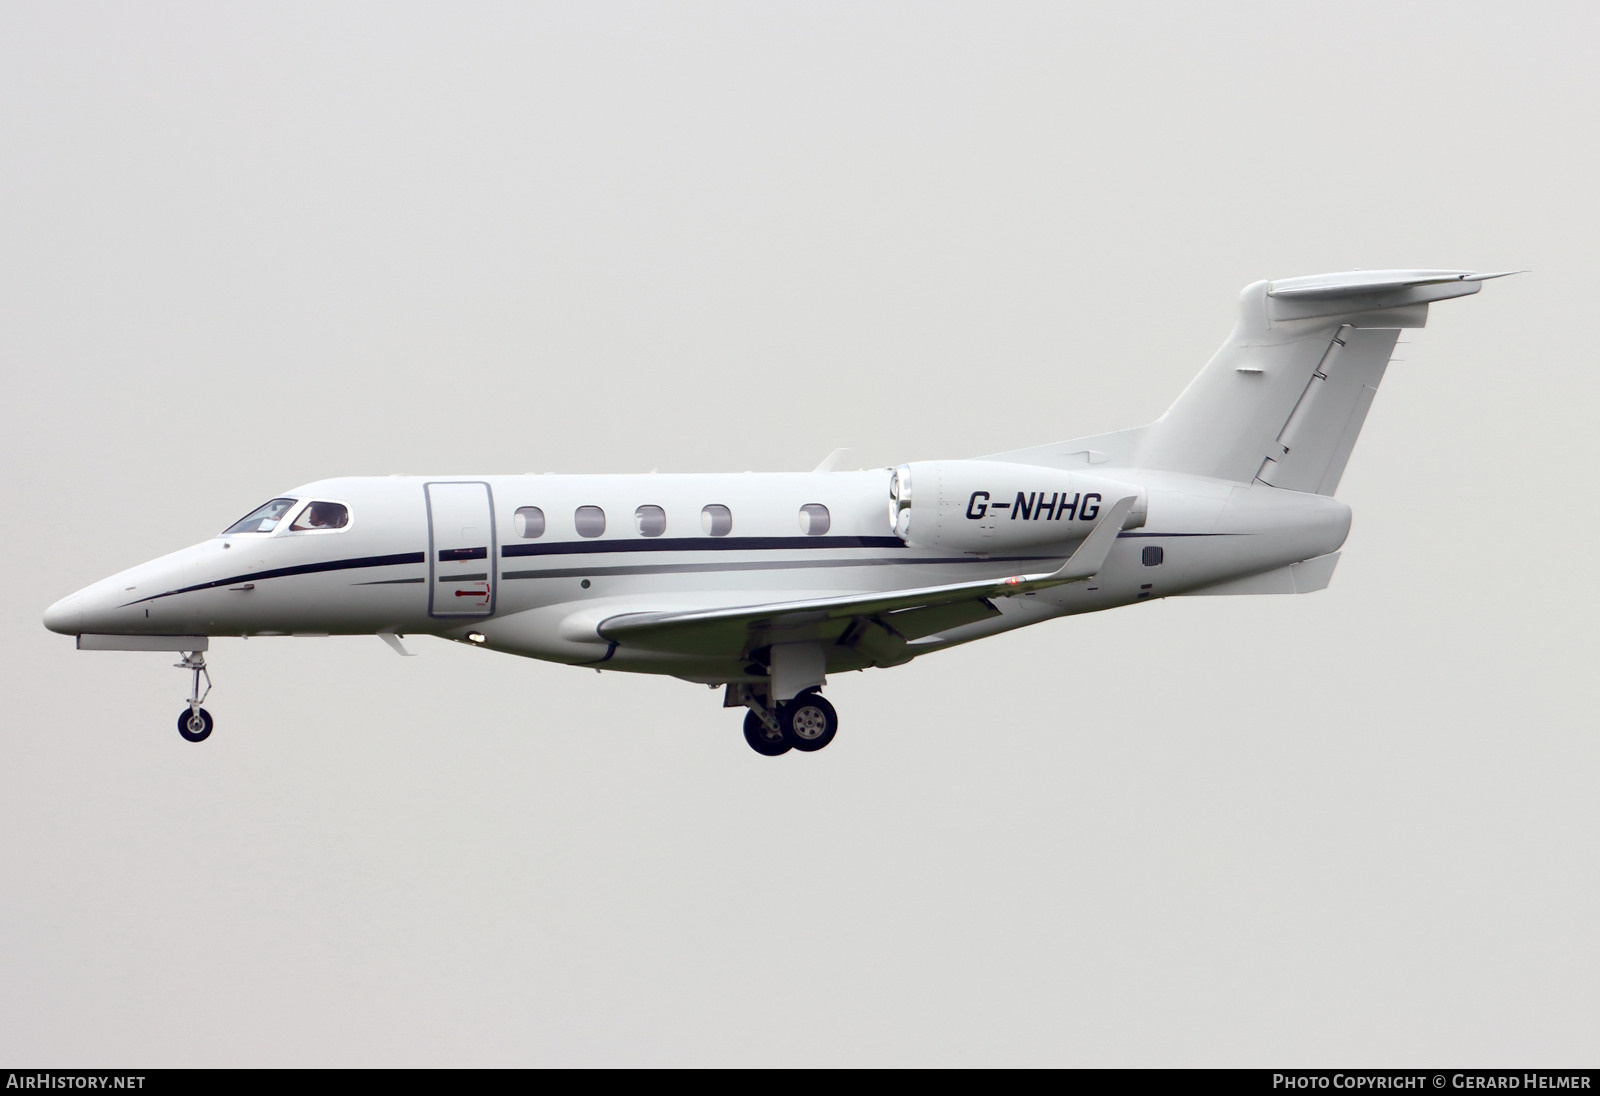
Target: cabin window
pixel 650 520
pixel 263 519
pixel 1153 555
pixel 590 520
pixel 716 520
pixel 321 516
pixel 813 519
pixel 529 522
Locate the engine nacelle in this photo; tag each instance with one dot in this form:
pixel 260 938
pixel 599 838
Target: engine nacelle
pixel 985 506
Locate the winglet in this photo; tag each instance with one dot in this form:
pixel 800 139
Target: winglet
pixel 1091 554
pixel 1086 561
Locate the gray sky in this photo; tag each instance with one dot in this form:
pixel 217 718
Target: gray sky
pixel 246 246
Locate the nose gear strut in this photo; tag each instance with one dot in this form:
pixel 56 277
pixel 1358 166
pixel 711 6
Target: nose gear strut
pixel 194 722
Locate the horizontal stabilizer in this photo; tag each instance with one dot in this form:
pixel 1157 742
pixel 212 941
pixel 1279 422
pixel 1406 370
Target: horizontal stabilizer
pixel 1356 282
pixel 1359 291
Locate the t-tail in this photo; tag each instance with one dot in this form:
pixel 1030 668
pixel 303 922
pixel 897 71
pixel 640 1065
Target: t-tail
pixel 1284 399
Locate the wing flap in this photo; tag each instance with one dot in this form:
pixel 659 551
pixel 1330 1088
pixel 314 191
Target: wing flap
pixel 914 624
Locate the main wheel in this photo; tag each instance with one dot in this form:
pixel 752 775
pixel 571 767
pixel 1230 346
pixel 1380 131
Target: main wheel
pixel 195 725
pixel 809 722
pixel 761 739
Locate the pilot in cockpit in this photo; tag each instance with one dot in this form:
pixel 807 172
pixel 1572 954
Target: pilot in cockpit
pixel 322 515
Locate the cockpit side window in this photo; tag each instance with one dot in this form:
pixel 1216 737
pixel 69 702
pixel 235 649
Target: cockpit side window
pixel 324 516
pixel 263 519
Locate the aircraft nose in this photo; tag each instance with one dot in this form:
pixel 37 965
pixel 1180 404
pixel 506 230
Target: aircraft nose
pixel 66 615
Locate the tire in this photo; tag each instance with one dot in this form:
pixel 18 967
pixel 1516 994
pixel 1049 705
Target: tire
pixel 761 740
pixel 809 722
pixel 199 734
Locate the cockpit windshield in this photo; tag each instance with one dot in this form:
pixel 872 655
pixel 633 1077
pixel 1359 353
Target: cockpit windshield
pixel 263 519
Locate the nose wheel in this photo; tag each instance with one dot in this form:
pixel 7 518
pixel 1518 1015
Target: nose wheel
pixel 195 725
pixel 194 722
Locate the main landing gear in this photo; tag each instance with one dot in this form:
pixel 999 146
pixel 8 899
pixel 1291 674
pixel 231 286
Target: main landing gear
pixel 194 722
pixel 807 723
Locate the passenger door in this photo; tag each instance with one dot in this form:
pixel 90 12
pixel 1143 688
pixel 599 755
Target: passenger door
pixel 462 553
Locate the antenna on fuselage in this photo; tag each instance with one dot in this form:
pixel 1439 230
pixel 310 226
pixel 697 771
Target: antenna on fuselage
pixel 831 461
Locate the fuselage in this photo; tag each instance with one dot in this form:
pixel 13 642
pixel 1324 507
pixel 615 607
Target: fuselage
pixel 531 564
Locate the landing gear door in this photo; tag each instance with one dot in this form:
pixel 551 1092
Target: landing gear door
pixel 461 549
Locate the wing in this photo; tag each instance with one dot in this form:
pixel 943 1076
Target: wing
pixel 877 625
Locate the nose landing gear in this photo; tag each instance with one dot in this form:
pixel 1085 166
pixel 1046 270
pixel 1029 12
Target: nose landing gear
pixel 194 722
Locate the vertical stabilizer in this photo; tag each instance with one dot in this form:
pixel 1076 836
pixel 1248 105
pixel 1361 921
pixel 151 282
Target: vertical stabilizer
pixel 1285 397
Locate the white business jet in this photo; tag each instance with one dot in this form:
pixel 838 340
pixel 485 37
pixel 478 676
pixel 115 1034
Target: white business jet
pixel 767 583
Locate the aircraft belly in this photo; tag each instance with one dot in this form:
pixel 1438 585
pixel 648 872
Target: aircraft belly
pixel 539 616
